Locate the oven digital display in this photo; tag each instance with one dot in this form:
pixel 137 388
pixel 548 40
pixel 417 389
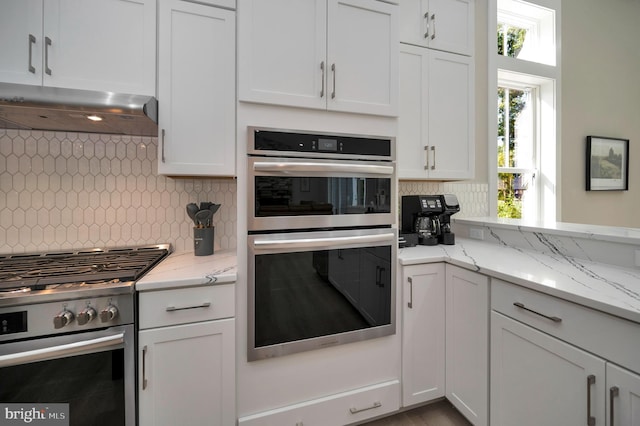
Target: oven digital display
pixel 13 322
pixel 327 144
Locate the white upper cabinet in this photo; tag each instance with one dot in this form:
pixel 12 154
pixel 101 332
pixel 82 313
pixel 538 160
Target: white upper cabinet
pixel 446 25
pixel 196 89
pixel 339 55
pixel 436 121
pixel 105 45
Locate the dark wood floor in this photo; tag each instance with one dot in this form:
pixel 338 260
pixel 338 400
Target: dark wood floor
pixel 439 413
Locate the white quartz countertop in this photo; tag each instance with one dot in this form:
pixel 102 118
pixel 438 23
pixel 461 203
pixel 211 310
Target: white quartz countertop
pixel 611 289
pixel 184 269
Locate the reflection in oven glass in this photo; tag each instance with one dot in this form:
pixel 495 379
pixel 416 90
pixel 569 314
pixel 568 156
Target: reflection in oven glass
pixel 303 295
pixel 302 196
pixel 92 384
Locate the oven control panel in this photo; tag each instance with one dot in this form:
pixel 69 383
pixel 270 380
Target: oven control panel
pixel 45 319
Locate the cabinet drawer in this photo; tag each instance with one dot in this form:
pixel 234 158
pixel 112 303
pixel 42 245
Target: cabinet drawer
pixel 186 305
pixel 340 409
pixel 610 337
pixel 229 4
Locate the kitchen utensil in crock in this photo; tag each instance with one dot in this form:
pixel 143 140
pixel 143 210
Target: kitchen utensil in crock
pixel 202 218
pixel 192 209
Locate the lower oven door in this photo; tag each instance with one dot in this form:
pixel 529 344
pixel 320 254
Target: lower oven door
pixel 311 290
pixel 94 372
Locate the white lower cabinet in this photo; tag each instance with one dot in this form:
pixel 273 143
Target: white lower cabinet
pixel 186 371
pixel 340 409
pixel 623 392
pixel 467 343
pixel 554 362
pixel 538 380
pixel 423 333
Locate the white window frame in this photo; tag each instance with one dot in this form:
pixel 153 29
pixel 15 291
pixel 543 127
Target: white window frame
pixel 547 79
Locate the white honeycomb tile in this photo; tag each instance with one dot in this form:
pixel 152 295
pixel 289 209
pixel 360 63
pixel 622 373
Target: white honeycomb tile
pixel 74 183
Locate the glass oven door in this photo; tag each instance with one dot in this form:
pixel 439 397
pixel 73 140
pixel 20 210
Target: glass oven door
pixel 93 372
pixel 310 290
pixel 290 193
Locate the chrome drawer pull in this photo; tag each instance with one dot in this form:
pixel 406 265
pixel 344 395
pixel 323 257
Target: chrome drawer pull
pixel 521 306
pixel 354 410
pixel 613 392
pixel 591 380
pixel 184 308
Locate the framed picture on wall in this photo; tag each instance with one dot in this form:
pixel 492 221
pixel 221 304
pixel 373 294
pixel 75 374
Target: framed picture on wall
pixel 607 164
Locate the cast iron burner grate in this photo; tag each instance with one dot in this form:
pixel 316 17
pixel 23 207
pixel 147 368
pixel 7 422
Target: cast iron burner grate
pixel 83 268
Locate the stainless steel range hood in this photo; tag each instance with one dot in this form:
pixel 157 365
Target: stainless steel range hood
pixel 67 110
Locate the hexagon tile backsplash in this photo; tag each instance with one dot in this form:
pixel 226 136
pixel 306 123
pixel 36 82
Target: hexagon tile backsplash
pixel 62 190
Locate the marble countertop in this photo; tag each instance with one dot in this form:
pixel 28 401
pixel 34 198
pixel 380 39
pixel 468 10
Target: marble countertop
pixel 593 232
pixel 611 289
pixel 183 269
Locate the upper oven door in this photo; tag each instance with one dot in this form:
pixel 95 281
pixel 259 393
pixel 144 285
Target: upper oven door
pixel 294 193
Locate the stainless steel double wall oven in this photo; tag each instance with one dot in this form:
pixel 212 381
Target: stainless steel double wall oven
pixel 322 245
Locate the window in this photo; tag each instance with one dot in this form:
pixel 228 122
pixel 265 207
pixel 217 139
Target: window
pixel 526 82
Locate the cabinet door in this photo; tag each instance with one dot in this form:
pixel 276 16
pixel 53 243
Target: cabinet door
pixel 413 22
pixel 105 45
pixel 21 41
pixel 446 25
pixel 187 374
pixel 413 124
pixel 538 380
pixel 451 119
pixel 451 26
pixel 423 333
pixel 362 57
pixel 282 52
pixel 196 91
pixel 623 393
pixel 467 343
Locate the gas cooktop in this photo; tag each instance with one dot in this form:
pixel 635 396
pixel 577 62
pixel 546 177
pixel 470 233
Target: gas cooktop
pixel 28 278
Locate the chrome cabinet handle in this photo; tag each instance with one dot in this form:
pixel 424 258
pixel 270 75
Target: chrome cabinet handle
pixel 426 18
pixel 591 380
pixel 354 410
pixel 426 150
pixel 184 308
pixel 144 367
pixel 47 42
pixel 613 392
pixel 433 19
pixel 322 89
pixel 32 41
pixel 410 304
pixel 333 70
pixel 162 147
pixel 433 151
pixel 521 306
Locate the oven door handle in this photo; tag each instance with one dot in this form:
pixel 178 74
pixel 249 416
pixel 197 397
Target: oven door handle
pixel 300 243
pixel 325 168
pixel 61 350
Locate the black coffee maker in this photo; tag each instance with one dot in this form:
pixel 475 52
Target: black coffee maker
pixel 450 206
pixel 421 216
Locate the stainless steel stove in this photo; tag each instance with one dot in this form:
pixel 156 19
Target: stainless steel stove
pixel 67 332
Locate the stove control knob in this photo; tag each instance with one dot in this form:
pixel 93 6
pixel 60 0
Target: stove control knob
pixel 86 315
pixel 109 313
pixel 62 319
